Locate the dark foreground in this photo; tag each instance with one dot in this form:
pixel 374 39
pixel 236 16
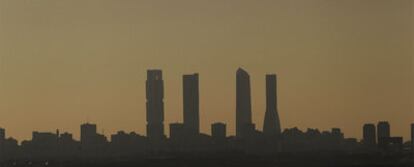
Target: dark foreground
pixel 285 160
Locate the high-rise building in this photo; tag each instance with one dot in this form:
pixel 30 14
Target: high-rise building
pixel 271 124
pixel 218 130
pixel 155 105
pixel 243 103
pixel 369 135
pixel 191 103
pixel 412 137
pixel 383 132
pixel 88 133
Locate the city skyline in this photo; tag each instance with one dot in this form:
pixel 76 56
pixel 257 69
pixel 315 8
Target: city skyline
pixel 340 63
pixel 371 135
pixel 185 139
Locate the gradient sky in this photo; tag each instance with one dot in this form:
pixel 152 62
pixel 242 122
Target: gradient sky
pixel 340 63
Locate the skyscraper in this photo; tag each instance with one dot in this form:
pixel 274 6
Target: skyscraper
pixel 271 124
pixel 383 132
pixel 191 103
pixel 369 135
pixel 155 105
pixel 243 103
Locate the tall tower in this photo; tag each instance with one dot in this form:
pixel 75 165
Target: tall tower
pixel 271 124
pixel 243 103
pixel 191 103
pixel 369 135
pixel 155 105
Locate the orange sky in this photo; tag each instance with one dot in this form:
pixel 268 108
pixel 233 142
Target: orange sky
pixel 340 63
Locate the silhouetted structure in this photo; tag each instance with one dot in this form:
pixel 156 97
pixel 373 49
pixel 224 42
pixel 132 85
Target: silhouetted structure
pixel 294 140
pixel 337 133
pixel 191 104
pixel 185 140
pixel 392 144
pixel 243 104
pixel 67 146
pixel 271 124
pixel 177 131
pixel 2 141
pixel 127 144
pixel 92 143
pixel 10 149
pixel 412 137
pixel 155 106
pixel 218 130
pixel 383 132
pixel 88 134
pixel 2 134
pixel 369 135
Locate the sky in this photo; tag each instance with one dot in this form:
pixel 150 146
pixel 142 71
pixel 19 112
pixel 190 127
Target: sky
pixel 340 63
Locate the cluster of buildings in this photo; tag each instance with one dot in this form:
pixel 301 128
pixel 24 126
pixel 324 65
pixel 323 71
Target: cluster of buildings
pixel 380 137
pixel 185 137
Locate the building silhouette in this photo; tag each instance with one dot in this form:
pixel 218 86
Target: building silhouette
pixel 383 132
pixel 92 143
pixel 88 134
pixel 337 133
pixel 412 137
pixel 155 105
pixel 186 141
pixel 44 137
pixel 243 104
pixel 127 144
pixel 271 124
pixel 369 135
pixel 67 146
pixel 191 104
pixel 2 141
pixel 218 130
pixel 2 134
pixel 178 137
pixel 177 131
